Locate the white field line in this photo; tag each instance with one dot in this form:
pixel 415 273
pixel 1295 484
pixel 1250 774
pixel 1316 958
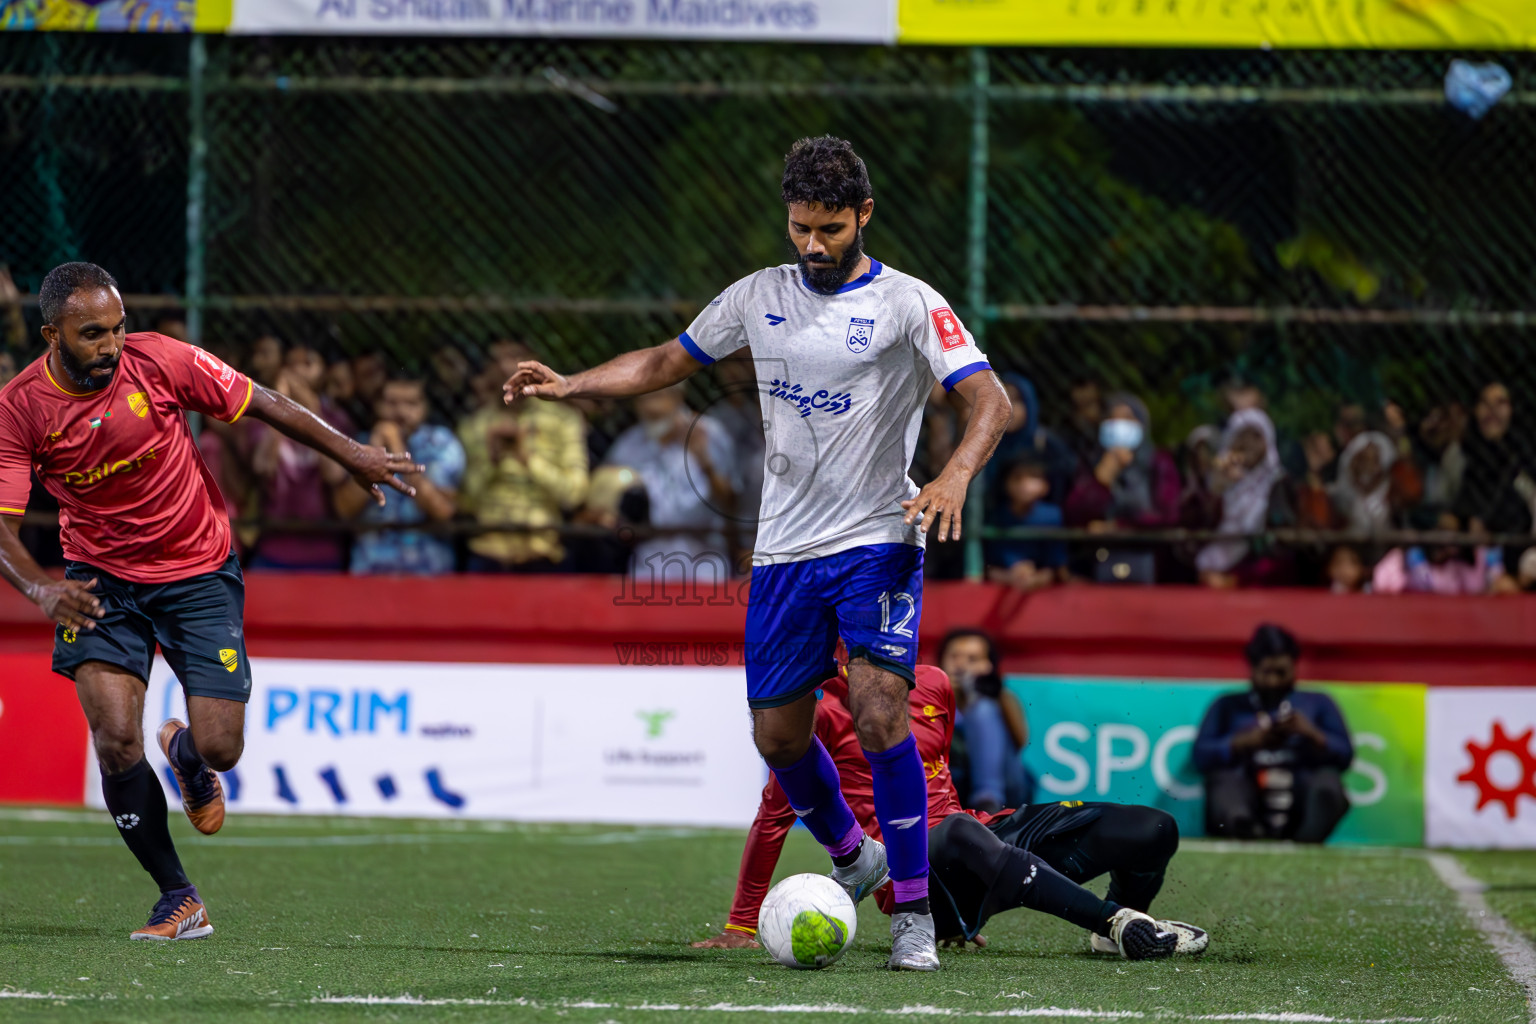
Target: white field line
pixel 576 833
pixel 364 839
pixel 1513 948
pixel 839 1010
pixel 829 1009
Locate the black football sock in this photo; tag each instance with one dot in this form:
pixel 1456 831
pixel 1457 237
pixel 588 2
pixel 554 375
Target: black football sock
pixel 911 907
pixel 845 859
pixel 1044 889
pixel 184 753
pixel 137 805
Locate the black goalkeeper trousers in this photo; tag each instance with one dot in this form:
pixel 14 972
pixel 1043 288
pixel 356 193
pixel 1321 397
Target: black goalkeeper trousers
pixel 977 871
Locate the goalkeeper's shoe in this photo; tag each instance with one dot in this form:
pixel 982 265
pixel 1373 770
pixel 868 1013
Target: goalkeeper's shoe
pixel 202 795
pixel 179 914
pixel 1192 939
pixel 866 874
pixel 1138 937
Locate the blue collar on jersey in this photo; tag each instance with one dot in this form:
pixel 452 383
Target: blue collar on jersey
pixel 858 282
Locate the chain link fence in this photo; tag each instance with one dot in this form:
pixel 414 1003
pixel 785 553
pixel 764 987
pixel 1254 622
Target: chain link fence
pixel 1319 224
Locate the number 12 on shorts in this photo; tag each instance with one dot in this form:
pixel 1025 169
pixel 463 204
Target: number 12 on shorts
pixel 888 599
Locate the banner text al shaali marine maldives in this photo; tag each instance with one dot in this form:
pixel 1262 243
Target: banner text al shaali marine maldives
pixel 811 21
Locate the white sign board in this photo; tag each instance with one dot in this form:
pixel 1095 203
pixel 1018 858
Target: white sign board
pixel 1480 767
pixel 631 745
pixel 810 21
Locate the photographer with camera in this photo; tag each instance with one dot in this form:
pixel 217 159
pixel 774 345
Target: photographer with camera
pixel 1273 757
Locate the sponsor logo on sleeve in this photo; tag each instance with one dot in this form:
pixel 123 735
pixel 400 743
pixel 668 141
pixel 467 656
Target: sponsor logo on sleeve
pixel 951 334
pixel 223 374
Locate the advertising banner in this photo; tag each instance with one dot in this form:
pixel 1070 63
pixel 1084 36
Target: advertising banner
pixel 114 15
pixel 1383 24
pixel 628 745
pixel 1129 742
pixel 42 733
pixel 807 21
pixel 1480 783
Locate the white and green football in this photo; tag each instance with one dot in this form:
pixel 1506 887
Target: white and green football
pixel 806 922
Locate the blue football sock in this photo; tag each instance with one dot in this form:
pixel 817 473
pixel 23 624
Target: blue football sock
pixel 811 784
pixel 901 806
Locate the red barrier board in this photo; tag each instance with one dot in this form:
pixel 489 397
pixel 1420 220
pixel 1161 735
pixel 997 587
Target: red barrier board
pixel 42 733
pixel 1150 632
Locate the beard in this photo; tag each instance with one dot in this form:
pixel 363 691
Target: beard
pixel 827 277
pixel 80 373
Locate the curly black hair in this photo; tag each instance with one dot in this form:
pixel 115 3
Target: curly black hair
pixel 825 170
pixel 63 281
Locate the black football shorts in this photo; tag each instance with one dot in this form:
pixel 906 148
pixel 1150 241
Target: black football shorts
pixel 199 624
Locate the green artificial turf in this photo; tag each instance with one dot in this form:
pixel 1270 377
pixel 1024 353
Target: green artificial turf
pixel 592 923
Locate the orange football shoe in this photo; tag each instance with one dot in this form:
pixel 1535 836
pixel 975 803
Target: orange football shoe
pixel 202 796
pixel 179 914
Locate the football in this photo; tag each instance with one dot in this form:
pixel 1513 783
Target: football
pixel 806 922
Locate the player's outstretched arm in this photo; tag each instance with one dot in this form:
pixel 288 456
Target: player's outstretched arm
pixel 368 464
pixel 943 500
pixel 633 373
pixel 70 603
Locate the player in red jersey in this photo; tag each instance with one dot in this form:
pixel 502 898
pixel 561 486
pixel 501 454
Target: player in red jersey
pixel 101 419
pixel 982 863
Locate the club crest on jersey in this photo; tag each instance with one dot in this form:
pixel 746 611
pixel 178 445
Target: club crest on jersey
pixel 860 334
pixel 951 334
pixel 139 403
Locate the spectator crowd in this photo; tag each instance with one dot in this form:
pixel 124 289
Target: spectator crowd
pixel 1463 473
pixel 666 485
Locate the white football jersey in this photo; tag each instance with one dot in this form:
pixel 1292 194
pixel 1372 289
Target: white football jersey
pixel 841 382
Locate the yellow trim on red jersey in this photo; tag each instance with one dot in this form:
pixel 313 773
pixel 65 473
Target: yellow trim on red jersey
pixel 250 392
pixel 13 511
pixel 71 394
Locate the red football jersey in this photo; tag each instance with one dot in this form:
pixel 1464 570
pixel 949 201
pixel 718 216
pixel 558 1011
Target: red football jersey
pixel 932 707
pixel 135 498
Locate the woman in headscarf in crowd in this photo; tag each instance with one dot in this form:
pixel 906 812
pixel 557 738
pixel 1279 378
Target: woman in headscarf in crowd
pixel 1246 475
pixel 1199 506
pixel 1361 497
pixel 1026 438
pixel 1127 481
pixel 1499 482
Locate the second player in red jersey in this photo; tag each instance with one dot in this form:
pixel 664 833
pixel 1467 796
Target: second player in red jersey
pixel 1033 857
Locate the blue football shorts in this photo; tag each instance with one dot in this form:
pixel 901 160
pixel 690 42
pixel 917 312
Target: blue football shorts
pixel 871 596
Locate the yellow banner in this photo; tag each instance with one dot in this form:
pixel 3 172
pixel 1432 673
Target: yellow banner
pixel 114 15
pixel 1365 24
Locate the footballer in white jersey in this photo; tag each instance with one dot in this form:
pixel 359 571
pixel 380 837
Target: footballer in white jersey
pixel 846 352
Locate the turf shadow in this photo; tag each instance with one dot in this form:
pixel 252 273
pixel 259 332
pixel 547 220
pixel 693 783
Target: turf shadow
pixel 630 956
